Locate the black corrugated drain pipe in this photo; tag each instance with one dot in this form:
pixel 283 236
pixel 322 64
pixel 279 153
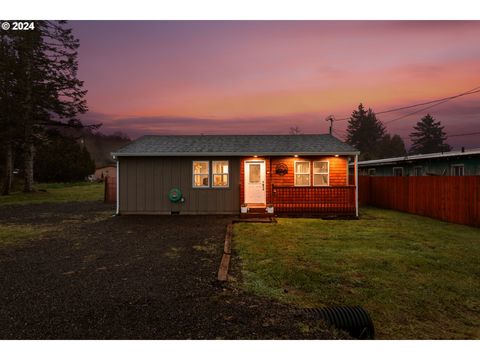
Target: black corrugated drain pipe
pixel 354 320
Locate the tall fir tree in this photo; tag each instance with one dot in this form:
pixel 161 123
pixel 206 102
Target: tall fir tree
pixel 391 146
pixel 365 132
pixel 62 159
pixel 428 137
pixel 47 88
pixel 8 109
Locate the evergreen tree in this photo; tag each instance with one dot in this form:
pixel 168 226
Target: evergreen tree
pixel 365 132
pixel 48 90
pixel 9 109
pixel 391 146
pixel 428 137
pixel 62 159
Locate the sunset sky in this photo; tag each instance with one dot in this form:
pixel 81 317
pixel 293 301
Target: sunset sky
pixel 247 77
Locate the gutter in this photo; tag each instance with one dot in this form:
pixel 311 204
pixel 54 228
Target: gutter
pixel 251 153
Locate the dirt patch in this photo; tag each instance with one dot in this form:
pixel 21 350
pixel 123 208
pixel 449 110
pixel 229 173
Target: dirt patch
pixel 95 276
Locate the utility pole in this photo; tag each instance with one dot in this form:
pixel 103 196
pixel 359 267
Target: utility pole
pixel 330 118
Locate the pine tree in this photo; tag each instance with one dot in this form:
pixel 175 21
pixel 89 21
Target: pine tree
pixel 62 159
pixel 391 146
pixel 428 137
pixel 9 109
pixel 50 94
pixel 365 132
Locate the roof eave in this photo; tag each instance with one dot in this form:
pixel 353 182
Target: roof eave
pixel 117 154
pixel 390 161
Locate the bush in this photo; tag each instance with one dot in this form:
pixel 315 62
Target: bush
pixel 62 159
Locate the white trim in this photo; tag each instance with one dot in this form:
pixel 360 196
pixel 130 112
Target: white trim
pixel 452 169
pixel 193 174
pixel 250 153
pixel 347 160
pixel 246 174
pixel 118 187
pixel 295 172
pixel 227 173
pixel 398 167
pixel 422 156
pixel 415 170
pixel 356 184
pixel 328 173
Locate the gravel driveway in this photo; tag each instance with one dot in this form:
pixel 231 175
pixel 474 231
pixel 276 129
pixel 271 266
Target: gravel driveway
pixel 93 276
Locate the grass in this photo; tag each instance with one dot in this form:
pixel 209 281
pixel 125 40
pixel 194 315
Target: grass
pixel 57 192
pixel 17 234
pixel 418 277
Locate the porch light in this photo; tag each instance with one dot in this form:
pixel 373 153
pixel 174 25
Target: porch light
pixel 255 155
pixel 295 155
pixel 336 155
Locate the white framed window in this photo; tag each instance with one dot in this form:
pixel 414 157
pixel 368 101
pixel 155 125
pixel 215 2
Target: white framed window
pixel 302 173
pixel 321 173
pixel 201 174
pixel 458 170
pixel 372 172
pixel 418 170
pixel 220 173
pixel 398 171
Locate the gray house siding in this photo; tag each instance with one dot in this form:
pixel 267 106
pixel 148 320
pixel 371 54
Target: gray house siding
pixel 144 183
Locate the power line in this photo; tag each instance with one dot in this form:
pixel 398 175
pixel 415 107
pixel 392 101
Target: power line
pixel 465 134
pixel 434 102
pixel 415 112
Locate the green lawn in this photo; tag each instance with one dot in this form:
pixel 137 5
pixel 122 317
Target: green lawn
pixel 418 277
pixel 82 191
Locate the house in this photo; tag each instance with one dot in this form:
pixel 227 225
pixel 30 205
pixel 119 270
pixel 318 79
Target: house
pixel 103 171
pixel 220 174
pixel 453 163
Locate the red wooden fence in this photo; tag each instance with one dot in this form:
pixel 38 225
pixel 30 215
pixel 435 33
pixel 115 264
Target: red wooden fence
pixel 110 195
pixel 454 199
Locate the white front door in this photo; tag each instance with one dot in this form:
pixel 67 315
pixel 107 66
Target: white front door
pixel 255 182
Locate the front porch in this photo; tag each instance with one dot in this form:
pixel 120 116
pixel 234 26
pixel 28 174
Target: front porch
pixel 317 186
pixel 322 201
pixel 338 201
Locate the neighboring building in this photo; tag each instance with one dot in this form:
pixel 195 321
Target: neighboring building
pixel 453 163
pixel 104 171
pixel 219 174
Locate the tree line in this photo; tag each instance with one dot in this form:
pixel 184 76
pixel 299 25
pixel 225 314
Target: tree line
pixel 40 93
pixel 368 135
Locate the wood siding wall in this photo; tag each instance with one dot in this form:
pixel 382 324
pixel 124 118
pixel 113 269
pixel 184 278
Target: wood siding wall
pixel 337 170
pixel 450 198
pixel 146 181
pixel 338 175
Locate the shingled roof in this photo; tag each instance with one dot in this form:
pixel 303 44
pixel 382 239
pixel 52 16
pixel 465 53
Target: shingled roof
pixel 236 145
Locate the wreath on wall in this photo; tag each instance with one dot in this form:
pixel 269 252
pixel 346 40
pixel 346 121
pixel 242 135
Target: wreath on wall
pixel 281 169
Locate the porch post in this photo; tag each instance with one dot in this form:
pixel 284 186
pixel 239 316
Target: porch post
pixel 355 168
pixel 117 186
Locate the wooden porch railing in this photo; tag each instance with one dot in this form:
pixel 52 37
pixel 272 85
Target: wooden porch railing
pixel 331 200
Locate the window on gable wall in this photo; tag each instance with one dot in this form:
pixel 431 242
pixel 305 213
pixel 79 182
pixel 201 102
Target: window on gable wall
pixel 320 173
pixel 302 173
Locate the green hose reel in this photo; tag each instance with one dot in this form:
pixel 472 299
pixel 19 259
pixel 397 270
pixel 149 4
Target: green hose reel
pixel 175 195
